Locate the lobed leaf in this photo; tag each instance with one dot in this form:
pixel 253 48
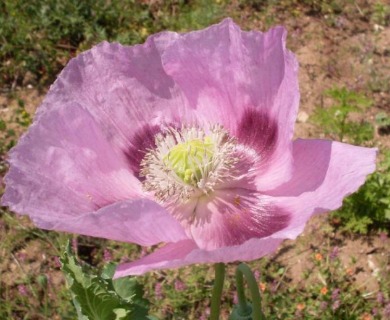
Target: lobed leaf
pixel 99 297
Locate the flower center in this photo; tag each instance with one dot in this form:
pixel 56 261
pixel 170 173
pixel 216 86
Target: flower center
pixel 188 163
pixel 189 159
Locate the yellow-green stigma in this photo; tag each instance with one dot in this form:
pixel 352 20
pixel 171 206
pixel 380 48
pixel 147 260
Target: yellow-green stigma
pixel 189 159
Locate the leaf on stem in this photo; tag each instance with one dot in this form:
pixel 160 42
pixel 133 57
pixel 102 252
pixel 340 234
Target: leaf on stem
pixel 99 297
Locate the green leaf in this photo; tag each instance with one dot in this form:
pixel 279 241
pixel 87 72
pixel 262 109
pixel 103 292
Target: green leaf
pixel 108 270
pixel 130 290
pixel 335 120
pixel 99 297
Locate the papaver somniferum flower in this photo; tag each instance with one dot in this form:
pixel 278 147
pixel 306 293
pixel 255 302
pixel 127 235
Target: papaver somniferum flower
pixel 185 140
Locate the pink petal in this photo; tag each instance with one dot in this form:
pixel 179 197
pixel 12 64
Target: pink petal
pixel 230 217
pixel 324 173
pixel 64 166
pixel 185 252
pixel 227 74
pixel 123 88
pixel 139 221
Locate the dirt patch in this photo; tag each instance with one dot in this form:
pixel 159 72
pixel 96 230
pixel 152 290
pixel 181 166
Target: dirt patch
pixel 29 98
pixel 363 259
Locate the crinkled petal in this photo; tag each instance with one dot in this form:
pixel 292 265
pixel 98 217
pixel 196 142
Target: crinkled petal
pixel 64 166
pixel 325 172
pixel 124 88
pixel 140 221
pixel 230 217
pixel 183 253
pixel 244 81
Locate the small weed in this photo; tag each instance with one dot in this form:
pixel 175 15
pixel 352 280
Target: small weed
pixel 370 206
pixel 336 120
pixel 382 119
pixel 381 14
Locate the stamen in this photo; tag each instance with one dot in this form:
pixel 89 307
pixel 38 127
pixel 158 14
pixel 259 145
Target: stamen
pixel 188 163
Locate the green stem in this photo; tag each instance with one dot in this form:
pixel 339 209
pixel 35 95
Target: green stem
pixel 217 291
pixel 244 308
pixel 244 270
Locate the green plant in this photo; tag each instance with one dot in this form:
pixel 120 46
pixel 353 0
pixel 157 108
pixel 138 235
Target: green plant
pixel 370 206
pixel 381 14
pixel 99 296
pixel 382 119
pixel 336 120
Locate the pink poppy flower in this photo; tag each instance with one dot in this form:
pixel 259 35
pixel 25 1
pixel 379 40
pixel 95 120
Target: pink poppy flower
pixel 185 140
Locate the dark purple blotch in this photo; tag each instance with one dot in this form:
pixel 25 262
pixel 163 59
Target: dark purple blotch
pixel 257 130
pixel 142 141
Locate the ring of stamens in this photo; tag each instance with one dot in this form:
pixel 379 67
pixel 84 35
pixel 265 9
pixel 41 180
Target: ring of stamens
pixel 188 162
